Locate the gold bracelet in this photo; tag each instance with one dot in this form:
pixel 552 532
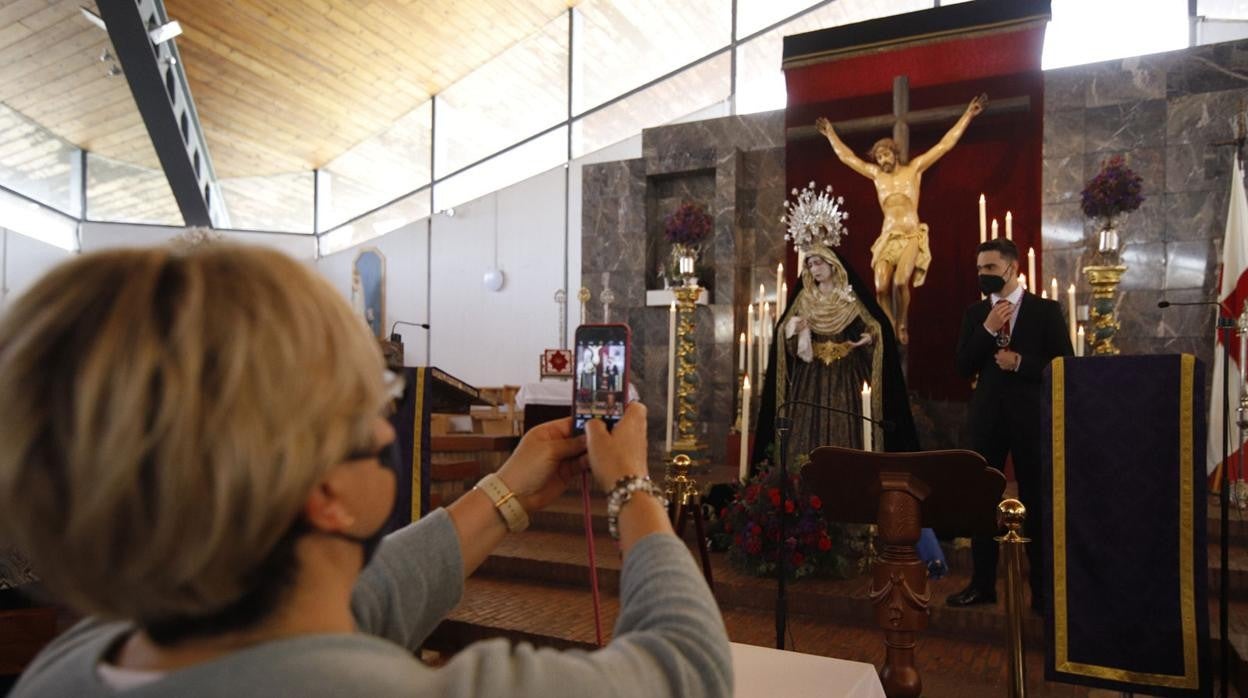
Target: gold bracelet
pixel 505 502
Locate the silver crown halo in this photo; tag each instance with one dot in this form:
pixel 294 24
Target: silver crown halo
pixel 816 218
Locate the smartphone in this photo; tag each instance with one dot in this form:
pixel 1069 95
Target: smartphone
pixel 600 374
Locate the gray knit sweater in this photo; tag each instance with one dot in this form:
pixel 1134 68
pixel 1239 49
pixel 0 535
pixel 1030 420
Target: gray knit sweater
pixel 669 640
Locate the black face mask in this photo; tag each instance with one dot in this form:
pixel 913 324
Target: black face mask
pixel 388 457
pixel 991 283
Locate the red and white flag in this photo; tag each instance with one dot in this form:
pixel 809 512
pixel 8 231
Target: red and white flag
pixel 1231 294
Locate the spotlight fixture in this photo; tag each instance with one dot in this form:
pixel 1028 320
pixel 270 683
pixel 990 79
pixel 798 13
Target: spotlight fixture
pixel 165 32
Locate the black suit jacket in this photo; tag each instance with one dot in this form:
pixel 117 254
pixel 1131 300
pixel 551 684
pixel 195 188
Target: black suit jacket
pixel 1040 336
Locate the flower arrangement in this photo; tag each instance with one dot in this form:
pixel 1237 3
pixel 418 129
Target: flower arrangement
pixel 688 225
pixel 749 528
pixel 1114 190
pixel 817 217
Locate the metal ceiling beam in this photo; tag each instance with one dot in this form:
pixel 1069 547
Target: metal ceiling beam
pixel 161 92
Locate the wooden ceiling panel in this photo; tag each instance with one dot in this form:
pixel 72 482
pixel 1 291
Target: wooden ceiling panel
pixel 280 85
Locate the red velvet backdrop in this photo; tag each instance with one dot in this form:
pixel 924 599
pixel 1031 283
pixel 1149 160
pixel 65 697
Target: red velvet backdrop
pixel 999 156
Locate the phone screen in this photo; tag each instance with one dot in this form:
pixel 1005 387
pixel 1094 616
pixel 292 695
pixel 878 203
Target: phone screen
pixel 601 374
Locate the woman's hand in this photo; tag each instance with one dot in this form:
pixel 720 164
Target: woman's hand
pixel 863 340
pixel 620 452
pixel 547 459
pixel 801 324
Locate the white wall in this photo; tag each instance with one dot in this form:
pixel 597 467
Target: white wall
pixel 496 338
pixel 101 236
pixel 481 337
pixel 407 274
pixel 24 261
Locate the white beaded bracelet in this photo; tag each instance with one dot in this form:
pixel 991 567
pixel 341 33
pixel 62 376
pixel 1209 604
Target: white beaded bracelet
pixel 623 491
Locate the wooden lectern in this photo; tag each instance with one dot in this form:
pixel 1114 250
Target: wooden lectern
pixel 427 390
pixel 952 491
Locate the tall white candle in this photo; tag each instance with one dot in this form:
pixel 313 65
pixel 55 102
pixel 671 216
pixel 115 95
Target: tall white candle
pixel 1009 228
pixel 749 340
pixel 994 228
pixel 1070 301
pixel 983 219
pixel 779 283
pixel 765 320
pixel 1022 281
pixel 671 372
pixel 866 417
pixel 1243 357
pixel 1053 288
pixel 784 299
pixel 1031 269
pixel 1044 293
pixel 1080 340
pixel 744 462
pixel 741 354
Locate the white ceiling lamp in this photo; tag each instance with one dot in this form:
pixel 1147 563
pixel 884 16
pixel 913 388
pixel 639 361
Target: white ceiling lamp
pixel 93 18
pixel 494 278
pixel 165 32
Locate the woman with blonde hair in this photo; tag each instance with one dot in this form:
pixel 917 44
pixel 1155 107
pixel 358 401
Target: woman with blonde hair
pixel 193 455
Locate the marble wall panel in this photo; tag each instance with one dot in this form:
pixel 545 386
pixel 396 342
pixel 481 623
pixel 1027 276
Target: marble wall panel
pixel 1191 264
pixel 1195 215
pixel 736 166
pixel 1130 80
pixel 1125 127
pixel 1063 178
pixel 1062 226
pixel 1146 266
pixel 1063 133
pixel 1212 68
pixel 1197 166
pixel 1065 89
pixel 1203 118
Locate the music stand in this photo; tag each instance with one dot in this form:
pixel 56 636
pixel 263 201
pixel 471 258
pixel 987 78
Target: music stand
pixel 953 491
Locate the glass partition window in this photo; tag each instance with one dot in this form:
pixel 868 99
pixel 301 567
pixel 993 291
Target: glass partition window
pixel 621 45
pixel 684 93
pixel 403 212
pixel 756 15
pixel 521 92
pixel 38 222
pixel 379 169
pixel 760 80
pixel 280 203
pixel 124 193
pixel 35 163
pixel 534 157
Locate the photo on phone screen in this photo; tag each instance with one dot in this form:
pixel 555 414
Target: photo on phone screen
pixel 601 374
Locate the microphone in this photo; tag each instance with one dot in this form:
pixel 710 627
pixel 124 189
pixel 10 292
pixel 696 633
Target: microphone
pixel 885 424
pixel 394 337
pixel 1167 304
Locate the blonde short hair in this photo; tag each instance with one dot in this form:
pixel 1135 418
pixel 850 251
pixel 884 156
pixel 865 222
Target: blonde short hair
pixel 165 416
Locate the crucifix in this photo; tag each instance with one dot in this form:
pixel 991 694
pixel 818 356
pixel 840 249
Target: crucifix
pixel 901 255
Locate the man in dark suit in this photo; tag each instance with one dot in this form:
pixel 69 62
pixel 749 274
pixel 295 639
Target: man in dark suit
pixel 1007 340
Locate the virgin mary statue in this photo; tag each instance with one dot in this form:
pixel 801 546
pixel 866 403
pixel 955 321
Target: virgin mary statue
pixel 832 338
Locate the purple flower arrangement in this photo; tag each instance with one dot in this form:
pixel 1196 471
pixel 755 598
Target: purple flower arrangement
pixel 688 225
pixel 1113 191
pixel 749 528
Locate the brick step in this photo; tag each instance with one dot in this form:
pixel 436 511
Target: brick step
pixel 561 559
pixel 562 617
pixel 1238 521
pixel 1238 571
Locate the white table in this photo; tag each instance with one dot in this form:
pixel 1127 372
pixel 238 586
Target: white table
pixel 763 672
pixel 554 392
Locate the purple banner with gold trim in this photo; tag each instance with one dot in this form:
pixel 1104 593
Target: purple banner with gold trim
pixel 1126 556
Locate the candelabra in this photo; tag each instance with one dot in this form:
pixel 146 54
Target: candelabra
pixel 1104 281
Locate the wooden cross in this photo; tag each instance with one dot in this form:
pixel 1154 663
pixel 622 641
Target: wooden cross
pixel 902 118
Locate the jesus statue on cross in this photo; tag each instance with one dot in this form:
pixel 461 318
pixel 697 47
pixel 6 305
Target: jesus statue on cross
pixel 901 256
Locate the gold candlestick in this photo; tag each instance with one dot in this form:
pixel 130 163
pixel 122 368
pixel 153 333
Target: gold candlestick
pixel 686 439
pixel 1104 281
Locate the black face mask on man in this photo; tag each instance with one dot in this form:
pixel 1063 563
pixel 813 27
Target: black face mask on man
pixel 991 283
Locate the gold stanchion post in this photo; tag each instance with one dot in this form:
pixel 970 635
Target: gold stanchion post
pixel 1011 513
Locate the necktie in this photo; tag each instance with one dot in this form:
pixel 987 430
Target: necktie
pixel 1003 336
